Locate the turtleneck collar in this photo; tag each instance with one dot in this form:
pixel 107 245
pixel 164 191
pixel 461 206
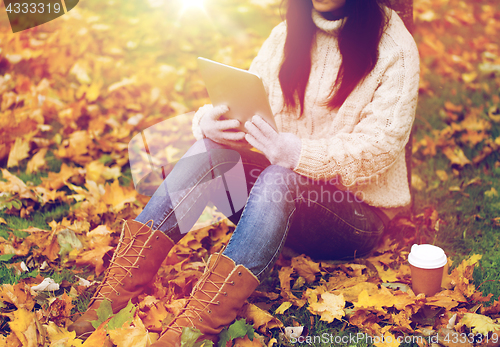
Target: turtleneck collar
pixel 331 27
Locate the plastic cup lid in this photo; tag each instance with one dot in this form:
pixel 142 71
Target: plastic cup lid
pixel 427 257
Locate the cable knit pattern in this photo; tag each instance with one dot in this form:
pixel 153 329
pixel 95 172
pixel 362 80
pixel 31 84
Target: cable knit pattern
pixel 361 144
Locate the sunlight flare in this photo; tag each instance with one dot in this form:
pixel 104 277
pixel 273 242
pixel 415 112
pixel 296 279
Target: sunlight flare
pixel 192 4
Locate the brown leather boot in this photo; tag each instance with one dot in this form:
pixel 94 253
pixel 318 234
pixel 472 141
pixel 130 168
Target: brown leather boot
pixel 136 261
pixel 214 302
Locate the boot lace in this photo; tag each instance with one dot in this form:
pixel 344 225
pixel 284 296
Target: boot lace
pixel 192 313
pixel 130 250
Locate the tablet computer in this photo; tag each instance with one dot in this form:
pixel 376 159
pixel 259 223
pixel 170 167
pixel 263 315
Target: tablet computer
pixel 242 91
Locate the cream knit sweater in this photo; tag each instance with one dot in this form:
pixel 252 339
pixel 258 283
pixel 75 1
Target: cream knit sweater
pixel 360 145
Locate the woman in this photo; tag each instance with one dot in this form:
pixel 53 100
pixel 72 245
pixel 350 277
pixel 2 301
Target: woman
pixel 342 80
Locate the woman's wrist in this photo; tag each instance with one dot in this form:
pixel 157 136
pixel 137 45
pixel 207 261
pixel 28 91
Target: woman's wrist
pixel 197 128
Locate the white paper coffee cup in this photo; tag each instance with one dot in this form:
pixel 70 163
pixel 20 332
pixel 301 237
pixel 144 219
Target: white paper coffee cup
pixel 427 263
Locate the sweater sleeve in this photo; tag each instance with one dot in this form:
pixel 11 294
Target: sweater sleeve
pixel 380 136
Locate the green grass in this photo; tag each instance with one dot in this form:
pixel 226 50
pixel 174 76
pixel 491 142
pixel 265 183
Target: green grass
pixel 8 274
pixel 467 214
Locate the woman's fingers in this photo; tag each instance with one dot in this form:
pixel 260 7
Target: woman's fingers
pixel 218 111
pixel 234 136
pixel 263 126
pixel 228 124
pixel 253 141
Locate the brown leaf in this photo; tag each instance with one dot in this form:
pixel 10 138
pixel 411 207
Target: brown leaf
pixel 285 278
pixel 447 299
pixel 245 342
pixel 262 320
pixel 306 268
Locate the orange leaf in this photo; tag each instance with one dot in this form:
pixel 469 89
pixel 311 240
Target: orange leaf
pixel 98 338
pixel 245 342
pixel 94 258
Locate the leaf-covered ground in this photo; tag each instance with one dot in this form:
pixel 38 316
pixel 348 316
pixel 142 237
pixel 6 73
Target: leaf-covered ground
pixel 76 90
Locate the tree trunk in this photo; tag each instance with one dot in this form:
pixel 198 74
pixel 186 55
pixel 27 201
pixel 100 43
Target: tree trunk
pixel 404 8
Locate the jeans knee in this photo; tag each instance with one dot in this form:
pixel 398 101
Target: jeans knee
pixel 277 171
pixel 276 184
pixel 203 145
pixel 215 152
pixel 275 175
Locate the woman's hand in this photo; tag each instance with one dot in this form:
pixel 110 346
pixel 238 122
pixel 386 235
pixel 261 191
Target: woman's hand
pixel 219 130
pixel 279 148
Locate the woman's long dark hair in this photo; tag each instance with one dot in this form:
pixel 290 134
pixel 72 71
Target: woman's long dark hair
pixel 358 41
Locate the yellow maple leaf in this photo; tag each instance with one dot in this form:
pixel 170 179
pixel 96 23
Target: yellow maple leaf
pixel 15 185
pixel 93 91
pixel 154 316
pixel 469 77
pixel 18 295
pixel 330 306
pixel 443 176
pixel 379 300
pixel 18 152
pixel 117 196
pixel 135 335
pixel 388 275
pixel 283 307
pixel 98 172
pixel 351 294
pixel 479 323
pixel 57 180
pixel 24 326
pixel 38 161
pixel 456 156
pixel 61 336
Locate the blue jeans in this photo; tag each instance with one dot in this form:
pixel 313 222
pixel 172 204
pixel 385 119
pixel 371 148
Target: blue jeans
pixel 283 208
